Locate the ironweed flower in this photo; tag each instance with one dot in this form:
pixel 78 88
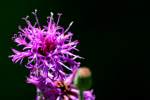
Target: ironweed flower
pixel 48 49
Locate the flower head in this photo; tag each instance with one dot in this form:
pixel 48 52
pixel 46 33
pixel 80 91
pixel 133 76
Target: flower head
pixel 48 48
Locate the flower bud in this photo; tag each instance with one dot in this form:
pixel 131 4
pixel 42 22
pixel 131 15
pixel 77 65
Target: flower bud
pixel 83 80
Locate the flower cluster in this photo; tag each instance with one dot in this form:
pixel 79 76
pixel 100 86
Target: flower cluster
pixel 50 59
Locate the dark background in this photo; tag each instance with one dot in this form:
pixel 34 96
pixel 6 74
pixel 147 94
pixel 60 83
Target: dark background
pixel 114 39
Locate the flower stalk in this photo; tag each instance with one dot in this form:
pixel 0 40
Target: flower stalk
pixel 81 97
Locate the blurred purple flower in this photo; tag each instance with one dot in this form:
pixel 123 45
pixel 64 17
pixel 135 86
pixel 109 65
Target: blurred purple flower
pixel 48 49
pixel 59 90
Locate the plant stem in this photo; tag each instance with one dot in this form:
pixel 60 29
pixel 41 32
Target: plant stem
pixel 81 97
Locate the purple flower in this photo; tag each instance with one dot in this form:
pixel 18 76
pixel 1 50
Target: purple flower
pixel 59 90
pixel 48 48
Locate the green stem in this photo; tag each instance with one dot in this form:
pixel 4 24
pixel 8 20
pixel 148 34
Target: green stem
pixel 81 97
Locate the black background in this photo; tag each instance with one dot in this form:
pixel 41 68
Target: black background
pixel 114 39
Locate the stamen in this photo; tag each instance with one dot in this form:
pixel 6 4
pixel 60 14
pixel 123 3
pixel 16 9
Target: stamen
pixel 36 18
pixel 68 27
pixel 64 66
pixel 51 17
pixel 50 21
pixel 14 37
pixel 26 20
pixel 59 15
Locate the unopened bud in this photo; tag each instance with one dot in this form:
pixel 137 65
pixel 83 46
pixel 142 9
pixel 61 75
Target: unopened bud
pixel 83 80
